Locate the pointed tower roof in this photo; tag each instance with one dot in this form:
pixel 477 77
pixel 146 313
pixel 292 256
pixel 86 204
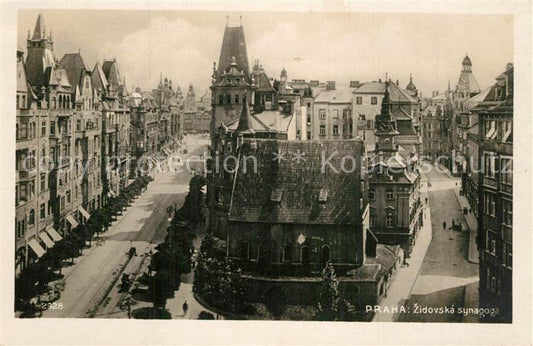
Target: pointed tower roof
pixel 245 120
pixel 385 123
pixel 233 45
pixel 38 32
pixel 467 61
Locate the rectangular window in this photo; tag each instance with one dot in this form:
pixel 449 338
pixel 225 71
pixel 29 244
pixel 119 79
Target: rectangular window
pixel 78 125
pixel 42 211
pixel 308 134
pixel 52 127
pixel 490 130
pixel 390 194
pixel 335 114
pixel 489 161
pixel 43 182
pixel 490 242
pixel 335 130
pixel 507 128
pixel 506 170
pixel 508 259
pixel 345 113
pixel 62 203
pixel 369 124
pixel 374 100
pixel 322 130
pixel 362 117
pixel 43 128
pixel 371 193
pixel 389 221
pixel 237 98
pixel 372 221
pixel 507 212
pixel 490 204
pixel 322 113
pixel 359 100
pixel 68 196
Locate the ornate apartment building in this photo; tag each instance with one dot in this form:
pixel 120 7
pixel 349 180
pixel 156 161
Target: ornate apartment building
pixel 495 203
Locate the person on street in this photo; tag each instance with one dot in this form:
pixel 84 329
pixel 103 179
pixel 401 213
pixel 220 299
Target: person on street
pixel 443 224
pixel 426 200
pixel 453 223
pixel 185 308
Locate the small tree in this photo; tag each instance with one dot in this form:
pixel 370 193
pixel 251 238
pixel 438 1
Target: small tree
pixel 328 302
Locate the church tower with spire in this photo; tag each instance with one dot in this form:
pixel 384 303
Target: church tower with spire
pixel 232 82
pixel 385 127
pixel 40 54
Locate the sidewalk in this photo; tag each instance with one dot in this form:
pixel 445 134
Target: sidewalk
pixel 402 284
pixel 473 254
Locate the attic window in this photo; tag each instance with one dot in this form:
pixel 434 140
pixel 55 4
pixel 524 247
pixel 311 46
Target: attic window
pixel 275 195
pixel 323 196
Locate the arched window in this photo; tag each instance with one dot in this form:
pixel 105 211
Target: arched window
pixel 53 105
pixel 60 99
pixel 244 251
pixel 287 253
pixel 305 256
pixel 325 254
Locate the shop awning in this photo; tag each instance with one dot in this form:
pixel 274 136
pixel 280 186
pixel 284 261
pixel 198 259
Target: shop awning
pixel 84 212
pixel 47 241
pixel 72 221
pixel 53 233
pixel 39 251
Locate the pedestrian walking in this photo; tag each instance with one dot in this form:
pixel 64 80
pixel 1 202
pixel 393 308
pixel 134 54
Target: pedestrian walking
pixel 453 223
pixel 185 308
pixel 443 224
pixel 426 200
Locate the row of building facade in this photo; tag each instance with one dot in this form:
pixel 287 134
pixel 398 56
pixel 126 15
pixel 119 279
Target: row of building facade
pixel 79 137
pixel 470 131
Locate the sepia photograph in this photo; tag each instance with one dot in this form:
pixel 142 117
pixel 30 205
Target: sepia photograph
pixel 237 165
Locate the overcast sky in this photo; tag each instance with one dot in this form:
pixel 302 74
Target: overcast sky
pixel 323 46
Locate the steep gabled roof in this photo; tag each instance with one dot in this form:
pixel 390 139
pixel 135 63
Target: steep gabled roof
pixel 299 182
pixel 110 68
pixel 98 78
pixel 74 66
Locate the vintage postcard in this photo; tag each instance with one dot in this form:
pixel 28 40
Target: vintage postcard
pixel 234 163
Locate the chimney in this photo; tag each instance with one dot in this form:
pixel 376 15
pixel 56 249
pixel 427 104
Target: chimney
pixel 397 82
pixel 330 85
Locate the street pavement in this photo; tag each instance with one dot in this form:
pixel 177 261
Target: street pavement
pixel 143 225
pixel 446 278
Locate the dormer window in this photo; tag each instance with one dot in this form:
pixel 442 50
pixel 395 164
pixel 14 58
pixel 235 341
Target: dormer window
pixel 323 196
